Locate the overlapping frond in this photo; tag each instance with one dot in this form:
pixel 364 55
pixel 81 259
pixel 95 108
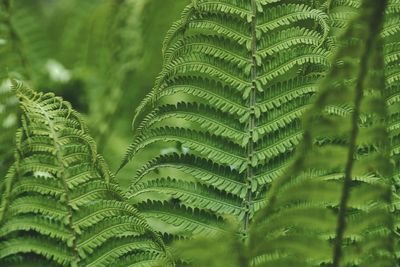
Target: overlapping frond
pixel 341 12
pixel 13 58
pixel 332 205
pixel 346 9
pixel 114 48
pixel 237 77
pixel 13 62
pixel 391 38
pixel 60 206
pixel 23 53
pixel 24 49
pixel 8 125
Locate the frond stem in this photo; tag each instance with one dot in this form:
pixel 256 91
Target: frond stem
pixel 375 21
pixel 252 119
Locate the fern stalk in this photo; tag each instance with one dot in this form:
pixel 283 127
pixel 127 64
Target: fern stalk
pixel 374 25
pixel 331 206
pixel 252 119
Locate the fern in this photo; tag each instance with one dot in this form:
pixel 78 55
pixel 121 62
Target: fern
pixel 23 52
pixel 14 62
pixel 341 13
pixel 392 73
pixel 98 26
pixel 60 206
pixel 331 207
pixel 14 57
pixel 390 36
pixel 25 49
pixel 237 77
pixel 122 45
pixel 223 249
pixel 8 125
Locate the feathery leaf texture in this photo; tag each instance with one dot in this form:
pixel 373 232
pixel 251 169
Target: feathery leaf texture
pixel 8 125
pixel 391 37
pixel 24 48
pixel 118 46
pixel 332 205
pixel 237 77
pixel 14 62
pixel 60 206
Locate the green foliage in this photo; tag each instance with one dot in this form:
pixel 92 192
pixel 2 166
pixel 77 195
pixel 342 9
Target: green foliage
pixel 8 125
pixel 60 206
pixel 391 36
pixel 224 249
pixel 89 52
pixel 105 58
pixel 16 60
pixel 23 47
pixel 331 207
pixel 110 61
pixel 220 152
pixel 230 96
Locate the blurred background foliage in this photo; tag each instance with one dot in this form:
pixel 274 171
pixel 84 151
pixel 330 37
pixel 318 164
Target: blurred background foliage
pixel 101 55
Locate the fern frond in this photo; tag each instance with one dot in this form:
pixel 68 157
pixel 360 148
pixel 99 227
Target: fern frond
pixel 214 147
pixel 237 77
pixel 220 177
pixel 202 115
pixel 49 249
pixel 331 206
pixel 123 26
pixel 25 50
pixel 179 220
pixel 340 14
pixel 191 195
pixel 60 204
pixel 392 90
